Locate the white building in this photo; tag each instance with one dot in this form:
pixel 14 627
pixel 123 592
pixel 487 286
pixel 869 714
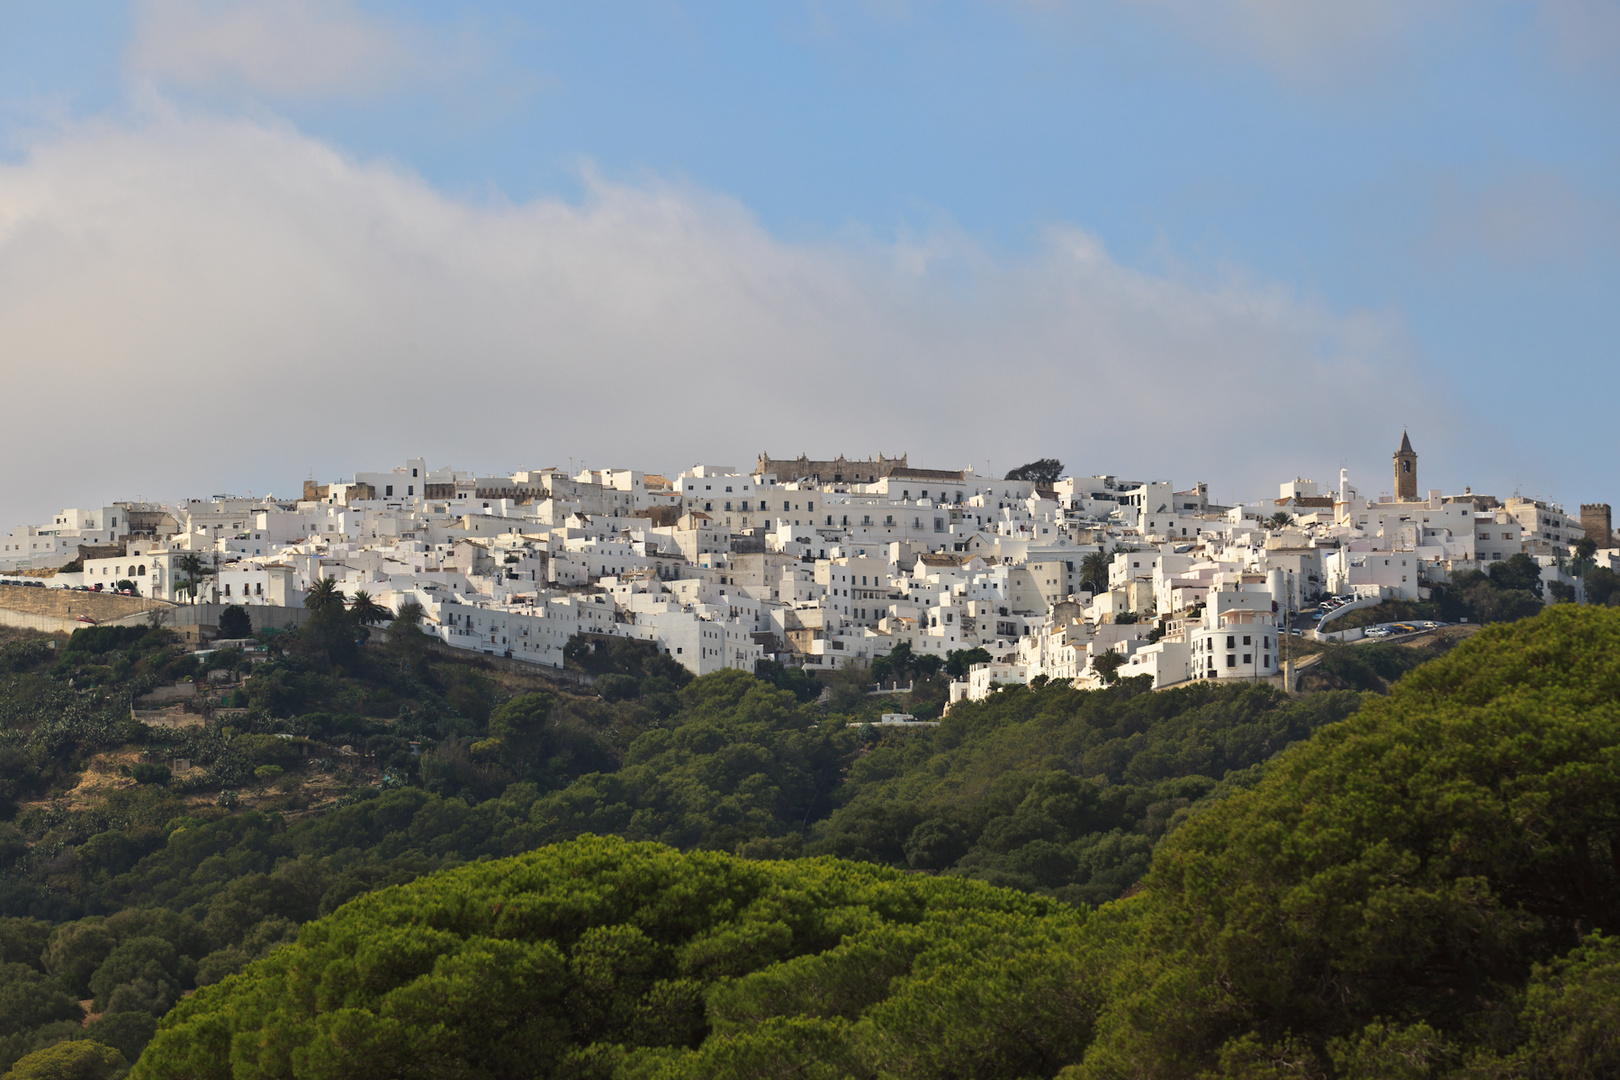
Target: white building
pixel 1237 637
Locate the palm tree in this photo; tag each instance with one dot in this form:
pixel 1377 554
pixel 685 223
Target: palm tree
pixel 1107 666
pixel 410 613
pixel 405 632
pixel 1280 520
pixel 323 594
pixel 191 565
pixel 1094 570
pixel 366 611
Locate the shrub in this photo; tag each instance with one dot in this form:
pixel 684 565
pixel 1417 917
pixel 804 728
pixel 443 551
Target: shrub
pixel 148 772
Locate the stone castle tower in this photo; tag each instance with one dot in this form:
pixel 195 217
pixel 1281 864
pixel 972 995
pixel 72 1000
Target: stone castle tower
pixel 1406 471
pixel 1596 522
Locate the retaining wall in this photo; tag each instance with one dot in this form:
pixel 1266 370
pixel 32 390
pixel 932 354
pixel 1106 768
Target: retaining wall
pixel 1346 635
pixel 518 667
pixel 68 603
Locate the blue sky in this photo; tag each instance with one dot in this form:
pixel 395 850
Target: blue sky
pixel 1230 240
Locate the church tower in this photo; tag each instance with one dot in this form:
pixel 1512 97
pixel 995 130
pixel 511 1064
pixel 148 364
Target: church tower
pixel 1406 471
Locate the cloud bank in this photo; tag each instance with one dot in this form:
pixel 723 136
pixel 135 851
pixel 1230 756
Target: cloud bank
pixel 194 304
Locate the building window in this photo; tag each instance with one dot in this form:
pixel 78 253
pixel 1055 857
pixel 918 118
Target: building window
pixel 1246 639
pixel 1231 660
pixel 1231 642
pixel 1247 657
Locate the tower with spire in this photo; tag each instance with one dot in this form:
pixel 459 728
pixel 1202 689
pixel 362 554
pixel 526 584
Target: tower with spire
pixel 1406 471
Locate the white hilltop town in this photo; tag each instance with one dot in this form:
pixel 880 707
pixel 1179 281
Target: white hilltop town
pixel 817 564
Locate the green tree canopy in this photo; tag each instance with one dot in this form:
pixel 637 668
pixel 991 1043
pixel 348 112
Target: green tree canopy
pixel 235 622
pixel 82 1059
pixel 29 999
pixel 600 956
pixel 1044 472
pixel 958 662
pixel 1403 867
pixel 1602 586
pixel 75 951
pixel 148 967
pixel 1517 572
pixel 22 940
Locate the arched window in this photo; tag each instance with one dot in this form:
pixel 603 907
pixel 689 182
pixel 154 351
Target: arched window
pixel 140 571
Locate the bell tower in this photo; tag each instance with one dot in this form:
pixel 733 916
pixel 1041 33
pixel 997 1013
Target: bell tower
pixel 1406 471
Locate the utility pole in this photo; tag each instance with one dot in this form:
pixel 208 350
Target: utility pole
pixel 1288 634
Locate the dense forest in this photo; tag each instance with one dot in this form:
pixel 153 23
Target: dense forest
pixel 1047 879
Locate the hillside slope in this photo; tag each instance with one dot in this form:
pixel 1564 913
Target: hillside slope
pixel 1421 890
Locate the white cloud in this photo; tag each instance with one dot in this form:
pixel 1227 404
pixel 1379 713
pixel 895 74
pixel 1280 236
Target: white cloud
pixel 197 304
pixel 284 48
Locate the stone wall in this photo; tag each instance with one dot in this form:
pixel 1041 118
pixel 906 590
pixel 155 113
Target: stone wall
pixel 578 679
pixel 69 603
